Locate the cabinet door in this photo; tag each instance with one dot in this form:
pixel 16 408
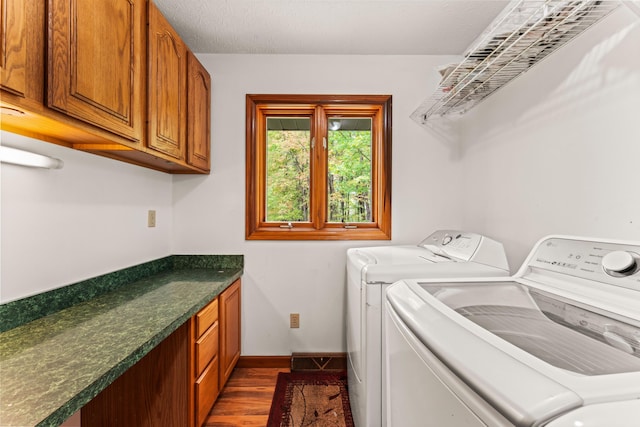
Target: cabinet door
pixel 96 60
pixel 198 114
pixel 229 330
pixel 13 49
pixel 167 87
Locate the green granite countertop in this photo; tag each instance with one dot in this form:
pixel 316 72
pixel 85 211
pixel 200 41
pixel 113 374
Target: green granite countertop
pixel 52 366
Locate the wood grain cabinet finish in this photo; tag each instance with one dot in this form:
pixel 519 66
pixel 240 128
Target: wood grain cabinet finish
pixel 206 385
pixel 86 75
pixel 167 87
pixel 22 56
pixel 178 382
pixel 206 348
pixel 13 49
pixel 96 63
pixel 153 392
pixel 207 390
pixel 198 114
pixel 230 306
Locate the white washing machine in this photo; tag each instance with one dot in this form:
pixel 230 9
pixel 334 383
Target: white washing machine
pixel 445 253
pixel 556 345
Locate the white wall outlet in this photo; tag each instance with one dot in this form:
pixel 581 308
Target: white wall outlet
pixel 151 218
pixel 294 320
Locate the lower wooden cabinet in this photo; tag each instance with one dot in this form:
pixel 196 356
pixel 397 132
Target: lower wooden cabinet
pixel 178 382
pixel 206 385
pixel 230 330
pixel 152 393
pixel 206 348
pixel 216 348
pixel 206 392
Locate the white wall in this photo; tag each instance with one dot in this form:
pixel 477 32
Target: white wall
pixel 89 218
pixel 558 149
pixel 308 277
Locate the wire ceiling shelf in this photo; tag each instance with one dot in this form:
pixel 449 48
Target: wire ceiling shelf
pixel 521 36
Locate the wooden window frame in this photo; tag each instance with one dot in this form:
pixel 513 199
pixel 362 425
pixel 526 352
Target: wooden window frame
pixel 258 107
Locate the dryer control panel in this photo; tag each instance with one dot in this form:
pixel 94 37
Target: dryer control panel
pixel 465 246
pixel 452 243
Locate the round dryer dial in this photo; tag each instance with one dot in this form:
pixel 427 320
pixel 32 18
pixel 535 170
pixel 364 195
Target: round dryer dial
pixel 619 263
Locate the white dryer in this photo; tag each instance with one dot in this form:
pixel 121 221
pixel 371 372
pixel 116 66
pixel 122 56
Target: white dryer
pixel 556 345
pixel 370 270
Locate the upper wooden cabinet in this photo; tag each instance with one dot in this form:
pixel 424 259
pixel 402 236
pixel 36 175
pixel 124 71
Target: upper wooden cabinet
pixel 109 77
pixel 167 87
pixel 22 57
pixel 13 49
pixel 96 57
pixel 198 114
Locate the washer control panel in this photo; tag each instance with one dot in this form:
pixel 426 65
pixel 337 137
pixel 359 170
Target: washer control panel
pixel 620 263
pixel 608 262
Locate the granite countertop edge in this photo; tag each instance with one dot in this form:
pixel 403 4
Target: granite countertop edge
pixel 176 291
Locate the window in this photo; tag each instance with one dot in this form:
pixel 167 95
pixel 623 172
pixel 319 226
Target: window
pixel 318 167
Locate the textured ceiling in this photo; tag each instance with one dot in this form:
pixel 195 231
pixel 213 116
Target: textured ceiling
pixel 379 27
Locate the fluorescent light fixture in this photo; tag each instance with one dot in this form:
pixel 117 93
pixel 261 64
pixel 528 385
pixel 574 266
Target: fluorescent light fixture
pixel 27 158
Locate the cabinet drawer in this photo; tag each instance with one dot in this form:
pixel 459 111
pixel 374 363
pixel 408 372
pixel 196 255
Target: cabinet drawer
pixel 206 348
pixel 206 317
pixel 206 391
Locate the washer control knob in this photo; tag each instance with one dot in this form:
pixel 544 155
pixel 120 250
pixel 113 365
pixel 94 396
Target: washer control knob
pixel 447 239
pixel 619 263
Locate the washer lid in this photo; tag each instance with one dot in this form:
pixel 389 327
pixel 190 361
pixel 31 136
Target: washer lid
pixel 388 264
pixel 569 336
pixel 521 393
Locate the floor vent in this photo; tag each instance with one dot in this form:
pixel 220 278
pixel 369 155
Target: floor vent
pixel 329 362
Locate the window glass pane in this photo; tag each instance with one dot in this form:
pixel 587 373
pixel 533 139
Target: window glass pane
pixel 287 180
pixel 349 170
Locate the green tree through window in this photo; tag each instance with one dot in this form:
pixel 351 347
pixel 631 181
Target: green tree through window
pixel 287 175
pixel 349 177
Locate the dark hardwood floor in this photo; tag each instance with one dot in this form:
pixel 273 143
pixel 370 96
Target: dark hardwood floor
pixel 246 399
